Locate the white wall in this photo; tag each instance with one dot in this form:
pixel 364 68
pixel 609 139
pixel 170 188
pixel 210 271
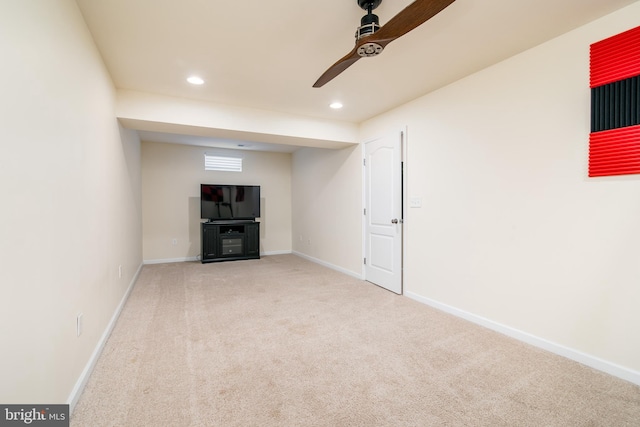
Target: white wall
pixel 327 207
pixel 511 229
pixel 70 185
pixel 171 178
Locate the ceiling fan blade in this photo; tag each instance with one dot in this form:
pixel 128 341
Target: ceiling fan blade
pixel 409 18
pixel 412 16
pixel 337 68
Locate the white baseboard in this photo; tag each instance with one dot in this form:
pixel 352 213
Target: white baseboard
pixel 168 260
pixel 329 265
pixel 72 400
pixel 578 356
pixel 197 258
pixel 274 253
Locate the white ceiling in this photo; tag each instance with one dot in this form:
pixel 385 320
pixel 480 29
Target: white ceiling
pixel 268 54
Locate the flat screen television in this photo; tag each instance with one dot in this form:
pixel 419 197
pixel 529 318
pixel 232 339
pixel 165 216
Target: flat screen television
pixel 229 202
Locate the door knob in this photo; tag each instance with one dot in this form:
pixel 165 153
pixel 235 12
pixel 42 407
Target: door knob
pixel 394 221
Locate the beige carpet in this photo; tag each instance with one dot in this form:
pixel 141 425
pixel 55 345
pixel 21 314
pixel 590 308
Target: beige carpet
pixel 281 341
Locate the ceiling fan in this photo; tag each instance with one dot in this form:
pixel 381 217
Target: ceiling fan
pixel 371 39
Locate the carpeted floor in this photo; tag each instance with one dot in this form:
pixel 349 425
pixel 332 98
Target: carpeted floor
pixel 282 341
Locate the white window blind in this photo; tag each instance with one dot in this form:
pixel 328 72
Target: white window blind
pixel 219 163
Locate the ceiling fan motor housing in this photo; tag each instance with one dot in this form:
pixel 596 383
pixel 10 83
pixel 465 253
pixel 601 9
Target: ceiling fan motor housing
pixel 369 24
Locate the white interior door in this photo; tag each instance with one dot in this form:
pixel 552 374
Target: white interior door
pixel 383 212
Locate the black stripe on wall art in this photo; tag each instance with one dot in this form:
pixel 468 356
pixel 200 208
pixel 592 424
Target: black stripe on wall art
pixel 615 105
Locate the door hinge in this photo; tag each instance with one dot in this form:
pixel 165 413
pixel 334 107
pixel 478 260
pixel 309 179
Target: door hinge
pixel 365 261
pixel 365 211
pixel 364 162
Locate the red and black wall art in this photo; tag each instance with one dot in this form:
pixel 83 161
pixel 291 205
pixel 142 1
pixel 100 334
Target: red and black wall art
pixel 614 142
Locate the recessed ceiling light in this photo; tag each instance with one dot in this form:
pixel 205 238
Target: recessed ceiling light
pixel 335 105
pixel 195 80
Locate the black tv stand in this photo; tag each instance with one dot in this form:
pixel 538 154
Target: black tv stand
pixel 230 240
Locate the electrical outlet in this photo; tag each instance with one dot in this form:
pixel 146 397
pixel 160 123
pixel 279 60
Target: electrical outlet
pixel 415 202
pixel 174 242
pixel 120 272
pixel 79 324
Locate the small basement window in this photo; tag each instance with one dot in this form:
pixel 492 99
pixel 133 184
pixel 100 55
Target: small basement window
pixel 223 164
